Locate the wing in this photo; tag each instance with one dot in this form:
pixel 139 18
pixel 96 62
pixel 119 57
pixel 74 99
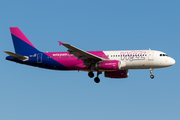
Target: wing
pixel 86 57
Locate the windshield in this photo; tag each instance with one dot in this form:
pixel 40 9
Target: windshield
pixel 163 55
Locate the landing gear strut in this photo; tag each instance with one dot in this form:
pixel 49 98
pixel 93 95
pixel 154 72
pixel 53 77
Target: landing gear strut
pixel 96 79
pixel 151 71
pixel 91 74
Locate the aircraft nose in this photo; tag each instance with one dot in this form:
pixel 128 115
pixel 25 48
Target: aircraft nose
pixel 172 61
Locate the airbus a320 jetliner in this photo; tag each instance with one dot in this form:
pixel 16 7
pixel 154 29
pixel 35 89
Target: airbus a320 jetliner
pixel 114 64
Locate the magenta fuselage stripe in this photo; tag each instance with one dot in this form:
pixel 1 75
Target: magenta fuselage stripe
pixel 61 57
pixel 70 61
pixel 17 32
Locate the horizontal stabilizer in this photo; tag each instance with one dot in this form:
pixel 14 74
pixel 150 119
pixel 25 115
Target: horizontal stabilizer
pixel 20 57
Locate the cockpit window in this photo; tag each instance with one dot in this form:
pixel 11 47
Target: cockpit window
pixel 163 55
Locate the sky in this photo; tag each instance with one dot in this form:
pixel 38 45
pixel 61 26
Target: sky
pixel 29 93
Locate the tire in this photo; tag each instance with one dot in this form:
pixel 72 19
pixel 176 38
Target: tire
pixel 152 76
pixel 96 80
pixel 91 74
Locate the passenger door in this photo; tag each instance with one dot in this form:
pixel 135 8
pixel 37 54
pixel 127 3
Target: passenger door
pixel 151 55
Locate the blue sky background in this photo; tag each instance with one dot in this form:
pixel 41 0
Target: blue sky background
pixel 29 93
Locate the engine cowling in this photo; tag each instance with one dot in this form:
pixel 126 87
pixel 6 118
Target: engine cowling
pixel 108 65
pixel 116 74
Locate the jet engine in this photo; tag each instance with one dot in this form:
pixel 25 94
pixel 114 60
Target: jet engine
pixel 108 65
pixel 116 74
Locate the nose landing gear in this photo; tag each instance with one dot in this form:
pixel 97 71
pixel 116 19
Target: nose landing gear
pixel 151 71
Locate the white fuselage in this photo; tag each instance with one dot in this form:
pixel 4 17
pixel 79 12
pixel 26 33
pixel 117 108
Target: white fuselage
pixel 141 59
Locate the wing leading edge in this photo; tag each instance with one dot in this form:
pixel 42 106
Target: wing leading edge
pixel 86 57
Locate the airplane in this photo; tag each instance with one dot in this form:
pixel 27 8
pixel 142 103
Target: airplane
pixel 114 64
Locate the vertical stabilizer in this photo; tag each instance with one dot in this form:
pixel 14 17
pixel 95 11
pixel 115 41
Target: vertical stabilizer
pixel 21 43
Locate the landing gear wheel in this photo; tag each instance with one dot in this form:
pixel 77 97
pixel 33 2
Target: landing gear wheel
pixel 96 79
pixel 91 74
pixel 152 76
pixel 151 71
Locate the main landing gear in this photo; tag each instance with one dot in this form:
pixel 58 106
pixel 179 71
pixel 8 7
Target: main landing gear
pixel 151 71
pixel 91 74
pixel 96 79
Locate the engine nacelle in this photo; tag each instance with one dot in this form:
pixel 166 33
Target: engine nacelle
pixel 116 74
pixel 108 65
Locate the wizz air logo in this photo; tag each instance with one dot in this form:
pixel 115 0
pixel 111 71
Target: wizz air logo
pixel 133 55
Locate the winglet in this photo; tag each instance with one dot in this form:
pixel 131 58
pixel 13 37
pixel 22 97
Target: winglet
pixel 60 43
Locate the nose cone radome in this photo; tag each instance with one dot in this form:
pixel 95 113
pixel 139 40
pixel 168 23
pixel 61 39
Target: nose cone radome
pixel 172 61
